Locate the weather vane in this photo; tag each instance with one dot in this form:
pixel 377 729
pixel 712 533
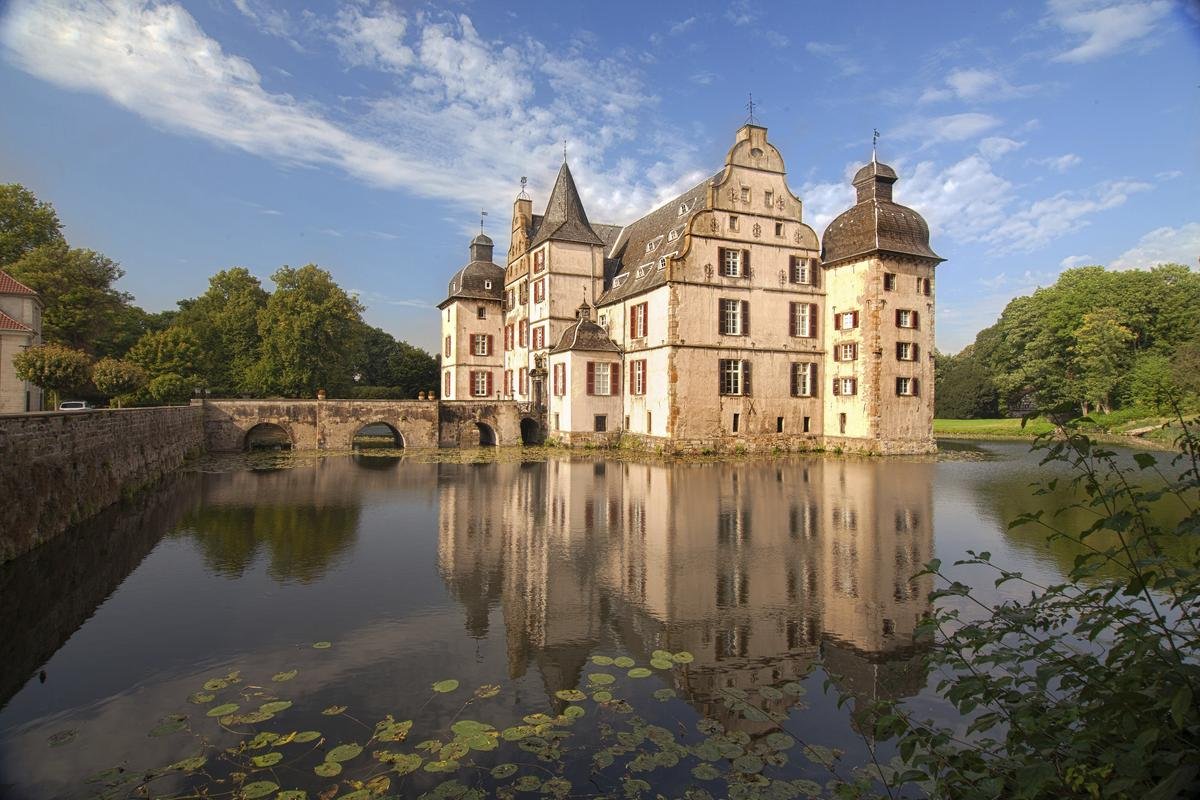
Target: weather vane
pixel 564 151
pixel 482 214
pixel 523 195
pixel 750 107
pixel 874 142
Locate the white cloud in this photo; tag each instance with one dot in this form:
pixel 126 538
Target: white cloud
pixel 1059 163
pixel 741 12
pixel 681 26
pixel 838 54
pixel 824 201
pixel 976 85
pixel 1075 261
pixel 1106 27
pixel 704 78
pixel 1047 219
pixel 776 39
pixel 1163 246
pixel 994 147
pixel 269 20
pixel 462 119
pixel 949 128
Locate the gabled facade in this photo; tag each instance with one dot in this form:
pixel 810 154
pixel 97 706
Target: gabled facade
pixel 471 327
pixel 20 329
pixel 732 324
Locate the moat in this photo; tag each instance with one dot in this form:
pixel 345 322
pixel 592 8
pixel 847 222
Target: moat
pixel 330 593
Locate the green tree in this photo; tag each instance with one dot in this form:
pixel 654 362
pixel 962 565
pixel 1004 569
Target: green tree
pixel 82 308
pixel 55 368
pixel 1151 382
pixel 174 351
pixel 964 387
pixel 1102 355
pixel 225 319
pixel 310 331
pixel 26 223
pixel 170 388
pixel 116 377
pixel 1185 365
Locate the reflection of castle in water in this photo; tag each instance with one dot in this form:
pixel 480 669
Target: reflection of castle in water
pixel 757 569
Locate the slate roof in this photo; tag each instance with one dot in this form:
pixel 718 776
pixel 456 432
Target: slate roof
pixel 585 335
pixel 10 285
pixel 876 223
pixel 565 220
pixel 633 263
pixel 7 323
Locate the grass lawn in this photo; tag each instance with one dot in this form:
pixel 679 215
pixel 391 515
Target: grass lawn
pixel 968 428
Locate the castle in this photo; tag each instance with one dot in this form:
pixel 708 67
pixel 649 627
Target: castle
pixel 717 321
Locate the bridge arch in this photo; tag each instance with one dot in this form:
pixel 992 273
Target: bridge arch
pixel 377 434
pixel 268 436
pixel 531 431
pixel 487 435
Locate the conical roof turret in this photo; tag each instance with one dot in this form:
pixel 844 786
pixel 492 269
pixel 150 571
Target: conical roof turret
pixel 565 220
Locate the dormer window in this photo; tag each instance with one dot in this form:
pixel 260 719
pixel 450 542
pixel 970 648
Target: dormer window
pixel 653 244
pixel 745 194
pixel 481 312
pixel 487 284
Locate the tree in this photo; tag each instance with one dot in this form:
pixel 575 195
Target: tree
pixel 175 351
pixel 115 377
pixel 310 331
pixel 964 387
pixel 82 309
pixel 1151 383
pixel 170 388
pixel 55 368
pixel 1102 354
pixel 26 223
pixel 225 319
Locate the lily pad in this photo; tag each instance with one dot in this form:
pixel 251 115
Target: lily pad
pixel 480 741
pixel 502 771
pixel 602 661
pixel 223 710
pixel 267 759
pixel 683 657
pixel 573 712
pixel 252 791
pixel 705 772
pixel 189 764
pixel 333 711
pixel 602 697
pixel 780 741
pixel 517 732
pixel 322 645
pixel 280 677
pixel 306 736
pixel 404 763
pixel 570 695
pixel 388 730
pixel 200 698
pixel 292 794
pixel 600 678
pixel 557 787
pixel 442 766
pixel 664 694
pixel 748 763
pixel 251 718
pixel 793 688
pixel 344 752
pixel 216 684
pixel 624 662
pixel 770 693
pixel 639 672
pixel 328 769
pixel 262 740
pixel 62 737
pixel 275 706
pixel 169 725
pixel 446 686
pixel 661 654
pixel 465 727
pixel 662 663
pixel 528 783
pixel 487 690
pixel 454 751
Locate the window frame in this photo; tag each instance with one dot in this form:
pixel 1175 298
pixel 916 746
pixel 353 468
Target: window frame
pixel 637 377
pixel 804 372
pixel 639 320
pixel 733 378
pixel 479 377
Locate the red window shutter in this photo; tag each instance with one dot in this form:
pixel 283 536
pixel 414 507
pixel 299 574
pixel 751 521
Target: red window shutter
pixel 720 317
pixel 855 319
pixel 631 382
pixel 837 322
pixel 914 321
pixel 814 270
pixel 792 269
pixel 633 322
pixel 745 318
pixel 591 377
pixel 489 383
pixel 916 351
pixel 793 321
pixel 745 263
pixel 854 386
pixel 615 374
pixel 812 320
pixel 490 346
pixel 898 317
pixel 745 377
pixel 720 260
pixel 645 376
pixel 795 380
pixel 916 387
pixel 446 385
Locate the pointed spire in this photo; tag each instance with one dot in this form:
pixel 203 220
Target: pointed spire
pixel 565 219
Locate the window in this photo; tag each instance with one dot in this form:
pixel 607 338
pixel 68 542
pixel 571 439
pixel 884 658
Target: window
pixel 734 376
pixel 649 422
pixel 906 318
pixel 508 337
pixel 446 352
pixel 807 424
pixel 481 384
pixel 446 385
pixel 508 299
pixel 804 379
pixel 906 351
pixel 637 320
pixel 523 333
pixel 523 378
pixel 846 320
pixel 842 423
pixel 733 317
pixel 557 422
pixel 604 321
pixel 508 387
pixel 779 424
pixel 539 337
pixel 600 423
pixel 779 229
pixel 737 419
pixel 846 351
pixel 923 286
pixel 733 222
pixel 768 198
pixel 602 378
pixel 803 320
pixel 906 387
pixel 637 376
pixel 559 380
pixel 539 260
pixel 487 284
pixel 745 194
pixel 539 290
pixel 801 271
pixel 889 282
pixel 845 386
pixel 481 344
pixel 481 312
pixel 523 290
pixel 733 263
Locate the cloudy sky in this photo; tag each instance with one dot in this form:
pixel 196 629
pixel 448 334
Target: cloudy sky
pixel 183 137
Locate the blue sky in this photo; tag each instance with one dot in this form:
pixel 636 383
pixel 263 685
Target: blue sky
pixel 183 137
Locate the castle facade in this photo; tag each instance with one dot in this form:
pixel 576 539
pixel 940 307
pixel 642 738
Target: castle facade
pixel 717 321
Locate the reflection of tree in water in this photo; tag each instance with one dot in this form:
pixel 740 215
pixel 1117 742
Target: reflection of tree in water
pixel 302 542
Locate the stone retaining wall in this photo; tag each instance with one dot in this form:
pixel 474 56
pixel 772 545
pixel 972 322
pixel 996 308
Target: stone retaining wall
pixel 57 469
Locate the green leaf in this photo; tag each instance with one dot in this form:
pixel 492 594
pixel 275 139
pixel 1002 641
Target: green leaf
pixel 639 672
pixel 343 752
pixel 624 662
pixel 306 736
pixel 252 791
pixel 502 771
pixel 446 686
pixel 275 707
pixel 267 759
pixel 1144 460
pixel 223 710
pixel 328 769
pixel 570 695
pixel 280 677
pixel 1181 705
pixel 322 645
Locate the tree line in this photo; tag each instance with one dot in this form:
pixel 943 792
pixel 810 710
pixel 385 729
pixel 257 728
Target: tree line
pixel 236 339
pixel 1097 339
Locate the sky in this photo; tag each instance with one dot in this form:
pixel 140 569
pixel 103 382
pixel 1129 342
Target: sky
pixel 182 137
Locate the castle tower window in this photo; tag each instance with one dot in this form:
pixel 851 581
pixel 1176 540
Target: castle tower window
pixel 481 312
pixel 889 281
pixel 768 198
pixel 637 377
pixel 539 337
pixel 733 317
pixel 733 222
pixel 801 271
pixel 803 320
pixel 779 229
pixel 600 423
pixel 481 384
pixel 846 320
pixel 906 318
pixel 733 263
pixel 906 351
pixel 487 284
pixel 602 378
pixel 847 351
pixel 745 194
pixel 523 336
pixel 446 352
pixel 539 290
pixel 804 379
pixel 734 376
pixel 923 286
pixel 906 387
pixel 539 261
pixel 638 319
pixel 446 386
pixel 481 344
pixel 845 386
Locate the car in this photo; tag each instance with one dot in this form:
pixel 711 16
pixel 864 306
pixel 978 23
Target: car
pixel 75 405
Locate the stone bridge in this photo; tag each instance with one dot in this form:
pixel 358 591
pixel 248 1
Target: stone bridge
pixel 229 425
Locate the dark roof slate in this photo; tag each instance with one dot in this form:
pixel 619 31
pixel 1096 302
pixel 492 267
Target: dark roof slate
pixel 470 283
pixel 565 220
pixel 585 335
pixel 876 223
